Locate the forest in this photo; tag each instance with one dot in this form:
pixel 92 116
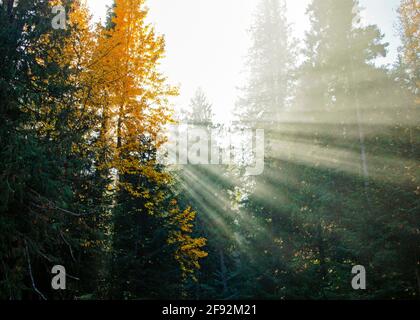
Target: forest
pixel 84 117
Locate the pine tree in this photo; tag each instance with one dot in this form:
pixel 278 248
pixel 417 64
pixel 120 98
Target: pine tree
pixel 343 95
pixel 43 168
pixel 267 97
pixel 134 114
pixel 270 64
pixel 200 113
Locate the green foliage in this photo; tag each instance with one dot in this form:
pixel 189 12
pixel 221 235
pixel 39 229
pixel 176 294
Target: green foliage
pixel 80 184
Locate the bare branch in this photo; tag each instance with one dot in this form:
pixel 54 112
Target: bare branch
pixel 30 272
pixel 68 244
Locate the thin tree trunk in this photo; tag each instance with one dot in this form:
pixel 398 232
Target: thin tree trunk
pixel 362 140
pixel 223 273
pixel 322 260
pixel 417 270
pixel 10 4
pixel 119 129
pixel 363 155
pixel 418 279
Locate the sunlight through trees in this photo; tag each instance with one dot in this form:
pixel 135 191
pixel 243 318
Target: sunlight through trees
pixel 85 112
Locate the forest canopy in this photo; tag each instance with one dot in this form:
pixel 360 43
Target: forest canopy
pixel 85 109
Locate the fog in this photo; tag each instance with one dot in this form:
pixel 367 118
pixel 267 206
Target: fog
pixel 207 41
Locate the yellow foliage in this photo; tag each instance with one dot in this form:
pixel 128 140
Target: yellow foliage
pixel 123 87
pixel 410 22
pixel 189 250
pixel 135 92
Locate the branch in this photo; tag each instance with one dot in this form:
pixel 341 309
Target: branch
pixel 30 272
pixel 68 244
pixel 53 206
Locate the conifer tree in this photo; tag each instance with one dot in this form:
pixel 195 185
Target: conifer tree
pixel 342 94
pixel 267 96
pixel 134 113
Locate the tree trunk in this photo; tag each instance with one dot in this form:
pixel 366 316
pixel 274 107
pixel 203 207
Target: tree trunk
pixel 10 5
pixel 223 273
pixel 119 129
pixel 417 268
pixel 363 155
pixel 418 279
pixel 322 260
pixel 362 142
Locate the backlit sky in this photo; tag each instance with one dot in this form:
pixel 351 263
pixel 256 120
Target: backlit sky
pixel 207 41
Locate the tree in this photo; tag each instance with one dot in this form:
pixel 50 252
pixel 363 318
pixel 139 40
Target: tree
pixel 408 74
pixel 83 112
pixel 200 113
pixel 410 20
pixel 43 170
pixel 270 65
pixel 134 114
pixel 266 98
pixel 343 95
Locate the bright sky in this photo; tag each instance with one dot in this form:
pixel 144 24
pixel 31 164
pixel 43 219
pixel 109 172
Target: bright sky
pixel 207 41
